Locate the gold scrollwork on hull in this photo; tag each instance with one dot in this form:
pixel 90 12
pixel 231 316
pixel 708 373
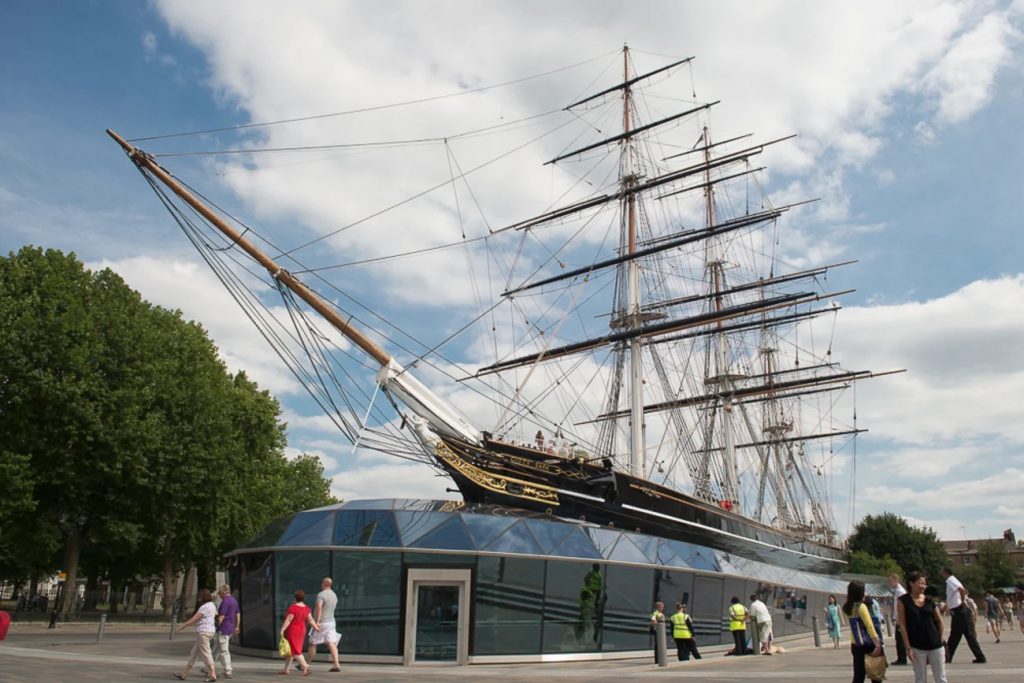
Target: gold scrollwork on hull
pixel 495 482
pixel 543 466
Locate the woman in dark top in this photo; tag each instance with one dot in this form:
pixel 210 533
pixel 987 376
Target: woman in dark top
pixel 921 627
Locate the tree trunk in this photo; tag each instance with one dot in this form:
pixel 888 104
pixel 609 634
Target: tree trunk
pixel 168 599
pixel 91 590
pixel 188 596
pixel 72 551
pixel 33 585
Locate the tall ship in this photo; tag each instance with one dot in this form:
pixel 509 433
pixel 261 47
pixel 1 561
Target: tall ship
pixel 643 353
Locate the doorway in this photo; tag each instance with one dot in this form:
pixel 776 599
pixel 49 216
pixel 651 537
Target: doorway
pixel 437 617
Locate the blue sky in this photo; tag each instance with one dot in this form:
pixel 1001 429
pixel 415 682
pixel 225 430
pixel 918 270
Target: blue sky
pixel 910 125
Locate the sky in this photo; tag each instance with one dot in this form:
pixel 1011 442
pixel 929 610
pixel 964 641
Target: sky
pixel 909 124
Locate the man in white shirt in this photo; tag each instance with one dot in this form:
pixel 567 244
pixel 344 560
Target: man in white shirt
pixel 323 614
pixel 763 620
pixel 897 590
pixel 961 625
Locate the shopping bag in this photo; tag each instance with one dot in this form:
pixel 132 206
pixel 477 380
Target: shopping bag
pixel 875 667
pixel 283 648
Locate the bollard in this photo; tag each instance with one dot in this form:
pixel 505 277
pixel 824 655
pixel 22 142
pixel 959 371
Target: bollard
pixel 817 634
pixel 888 626
pixel 660 643
pixel 53 619
pixel 103 625
pixel 174 624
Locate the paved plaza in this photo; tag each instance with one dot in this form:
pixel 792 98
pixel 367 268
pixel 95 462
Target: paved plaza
pixel 144 653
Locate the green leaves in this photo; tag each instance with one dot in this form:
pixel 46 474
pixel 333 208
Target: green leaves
pixel 890 535
pixel 121 426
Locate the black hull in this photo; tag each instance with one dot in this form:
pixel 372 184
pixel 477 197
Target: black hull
pixel 513 476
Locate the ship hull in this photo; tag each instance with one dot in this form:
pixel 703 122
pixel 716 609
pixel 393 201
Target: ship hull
pixel 514 476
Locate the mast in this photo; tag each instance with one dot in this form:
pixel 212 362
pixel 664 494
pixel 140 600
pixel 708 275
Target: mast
pixel 723 379
pixel 627 180
pixel 392 377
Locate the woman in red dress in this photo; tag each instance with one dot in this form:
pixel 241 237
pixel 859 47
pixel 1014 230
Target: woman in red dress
pixel 294 631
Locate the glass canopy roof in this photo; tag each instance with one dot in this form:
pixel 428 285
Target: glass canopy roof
pixel 432 525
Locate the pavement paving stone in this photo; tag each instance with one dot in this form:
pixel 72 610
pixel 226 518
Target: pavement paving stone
pixel 144 653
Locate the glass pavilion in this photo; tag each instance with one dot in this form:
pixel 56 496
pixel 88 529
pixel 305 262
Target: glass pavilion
pixel 441 582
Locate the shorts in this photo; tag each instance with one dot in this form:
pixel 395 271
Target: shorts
pixel 764 632
pixel 326 634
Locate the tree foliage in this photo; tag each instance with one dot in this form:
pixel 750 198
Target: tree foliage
pixel 863 562
pixel 992 568
pixel 910 547
pixel 125 440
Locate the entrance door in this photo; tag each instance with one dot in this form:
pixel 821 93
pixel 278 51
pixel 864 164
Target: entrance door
pixel 437 617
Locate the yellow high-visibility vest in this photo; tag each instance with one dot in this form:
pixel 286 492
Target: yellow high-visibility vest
pixel 679 628
pixel 737 615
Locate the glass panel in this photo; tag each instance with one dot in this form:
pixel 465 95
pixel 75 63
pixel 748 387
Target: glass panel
pixel 483 528
pixel 369 588
pixel 708 611
pixel 509 603
pixel 576 544
pixel 268 537
pixel 310 528
pixel 517 539
pixel 369 504
pixel 451 535
pixel 604 539
pixel 412 525
pixel 437 624
pixel 571 616
pixel 366 527
pixel 625 551
pixel 703 558
pixel 548 534
pixel 299 569
pixel 671 587
pixel 668 557
pixel 259 628
pixel 648 545
pixel 627 606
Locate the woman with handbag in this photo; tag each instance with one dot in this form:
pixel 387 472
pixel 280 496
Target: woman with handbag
pixel 865 640
pixel 293 630
pixel 921 629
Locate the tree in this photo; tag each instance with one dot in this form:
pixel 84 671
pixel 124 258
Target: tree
pixel 125 439
pixel 995 566
pixel 863 562
pixel 910 547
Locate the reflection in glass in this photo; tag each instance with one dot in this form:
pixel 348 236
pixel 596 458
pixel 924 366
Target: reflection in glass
pixel 366 528
pixel 572 612
pixel 369 586
pixel 437 624
pixel 299 569
pixel 509 601
pixel 626 608
pixel 451 535
pixel 256 581
pixel 310 528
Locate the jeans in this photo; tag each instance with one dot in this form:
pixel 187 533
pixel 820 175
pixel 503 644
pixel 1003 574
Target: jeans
pixel 936 658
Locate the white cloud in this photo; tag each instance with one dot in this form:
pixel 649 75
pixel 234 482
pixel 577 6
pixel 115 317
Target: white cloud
pixel 391 481
pixel 962 80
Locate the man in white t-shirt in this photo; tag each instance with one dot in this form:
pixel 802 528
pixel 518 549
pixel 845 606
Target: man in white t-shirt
pixel 763 623
pixel 897 590
pixel 961 625
pixel 323 614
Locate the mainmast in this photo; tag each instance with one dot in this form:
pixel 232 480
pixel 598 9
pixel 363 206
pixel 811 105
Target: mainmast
pixel 722 377
pixel 628 179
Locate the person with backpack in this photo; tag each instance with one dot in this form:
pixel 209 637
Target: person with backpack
pixel 865 639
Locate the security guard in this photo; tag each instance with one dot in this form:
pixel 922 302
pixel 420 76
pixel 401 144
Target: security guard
pixel 682 633
pixel 738 626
